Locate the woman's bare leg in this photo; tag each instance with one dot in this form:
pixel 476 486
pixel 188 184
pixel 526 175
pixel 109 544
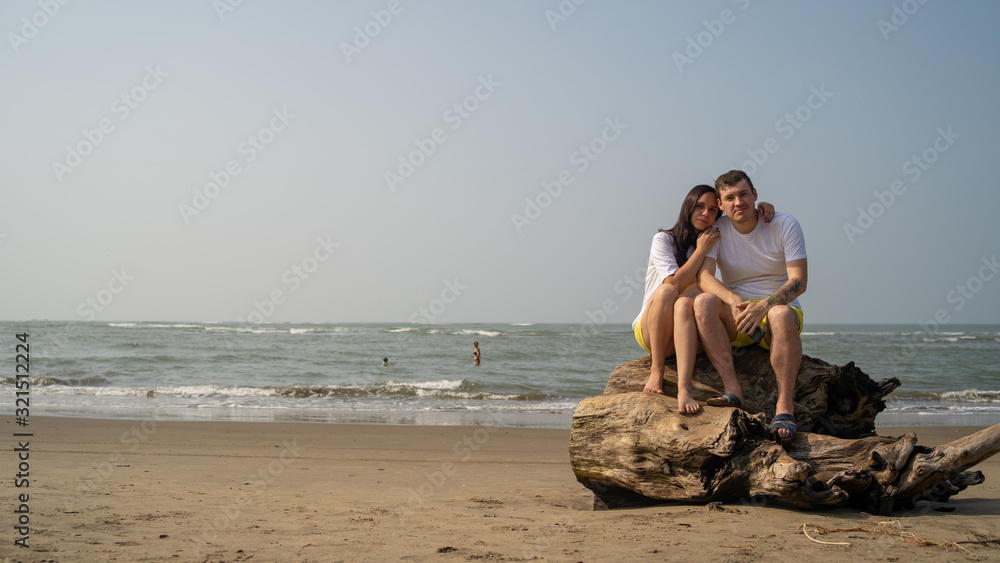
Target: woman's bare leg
pixel 686 348
pixel 657 324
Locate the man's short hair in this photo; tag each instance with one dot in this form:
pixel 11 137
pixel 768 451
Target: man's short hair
pixel 730 179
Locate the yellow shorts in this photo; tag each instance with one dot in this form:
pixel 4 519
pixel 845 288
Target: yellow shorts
pixel 743 339
pixel 638 337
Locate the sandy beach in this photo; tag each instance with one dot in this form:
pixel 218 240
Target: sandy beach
pixel 101 490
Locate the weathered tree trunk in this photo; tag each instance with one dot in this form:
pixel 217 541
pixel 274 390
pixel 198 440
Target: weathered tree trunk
pixel 840 401
pixel 632 448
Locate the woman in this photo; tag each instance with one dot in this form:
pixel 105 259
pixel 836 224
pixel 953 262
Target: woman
pixel 665 324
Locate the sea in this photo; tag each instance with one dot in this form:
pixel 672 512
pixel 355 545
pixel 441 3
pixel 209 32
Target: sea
pixel 531 375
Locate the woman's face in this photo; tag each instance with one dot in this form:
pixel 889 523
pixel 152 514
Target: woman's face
pixel 705 211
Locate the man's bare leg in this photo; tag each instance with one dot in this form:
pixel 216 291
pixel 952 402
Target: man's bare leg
pixel 657 324
pixel 786 356
pixel 717 329
pixel 686 348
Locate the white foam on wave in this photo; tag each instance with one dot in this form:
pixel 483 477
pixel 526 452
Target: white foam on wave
pixel 972 396
pixel 443 384
pixel 949 409
pixel 206 390
pixel 174 391
pixel 481 332
pixel 940 339
pixel 95 391
pixel 243 329
pixel 154 325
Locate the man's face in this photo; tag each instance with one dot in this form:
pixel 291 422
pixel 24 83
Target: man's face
pixel 739 202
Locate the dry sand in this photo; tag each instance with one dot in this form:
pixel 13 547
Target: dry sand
pixel 103 490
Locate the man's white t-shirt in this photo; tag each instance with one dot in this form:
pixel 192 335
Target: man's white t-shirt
pixel 662 263
pixel 753 265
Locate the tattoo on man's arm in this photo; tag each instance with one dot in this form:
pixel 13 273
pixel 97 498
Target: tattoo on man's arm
pixel 785 293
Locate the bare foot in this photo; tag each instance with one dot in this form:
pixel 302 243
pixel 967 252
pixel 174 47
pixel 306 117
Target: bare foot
pixel 686 404
pixel 654 385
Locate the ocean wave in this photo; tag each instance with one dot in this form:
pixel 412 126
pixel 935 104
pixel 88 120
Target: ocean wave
pixel 451 384
pixel 153 325
pixel 139 345
pixel 953 395
pixel 944 408
pixel 972 395
pixel 819 334
pixel 436 330
pixel 245 330
pixel 480 332
pixel 69 382
pixel 442 390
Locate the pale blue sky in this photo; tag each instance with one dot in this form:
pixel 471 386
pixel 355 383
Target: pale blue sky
pixel 108 238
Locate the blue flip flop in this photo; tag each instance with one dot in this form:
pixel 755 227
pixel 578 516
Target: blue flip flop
pixel 725 400
pixel 786 421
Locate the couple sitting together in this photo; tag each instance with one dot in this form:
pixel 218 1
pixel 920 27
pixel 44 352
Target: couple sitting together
pixel 762 257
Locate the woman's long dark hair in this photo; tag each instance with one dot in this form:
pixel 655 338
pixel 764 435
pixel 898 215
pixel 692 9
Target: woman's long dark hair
pixel 685 236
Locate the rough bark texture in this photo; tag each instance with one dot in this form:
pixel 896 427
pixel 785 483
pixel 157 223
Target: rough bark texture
pixel 635 448
pixel 840 401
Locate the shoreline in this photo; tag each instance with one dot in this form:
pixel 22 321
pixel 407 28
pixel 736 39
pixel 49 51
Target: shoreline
pixel 403 417
pixel 153 490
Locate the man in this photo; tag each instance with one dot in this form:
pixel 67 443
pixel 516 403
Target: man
pixel 763 267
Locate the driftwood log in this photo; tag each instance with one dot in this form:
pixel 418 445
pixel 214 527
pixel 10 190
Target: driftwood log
pixel 840 401
pixel 632 448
